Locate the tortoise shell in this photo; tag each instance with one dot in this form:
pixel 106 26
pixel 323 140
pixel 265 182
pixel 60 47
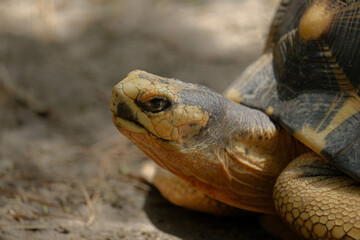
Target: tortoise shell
pixel 308 79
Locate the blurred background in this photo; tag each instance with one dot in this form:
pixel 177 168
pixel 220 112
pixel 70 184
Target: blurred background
pixel 65 171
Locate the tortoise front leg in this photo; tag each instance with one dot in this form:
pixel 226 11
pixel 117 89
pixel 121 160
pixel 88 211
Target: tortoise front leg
pixel 317 200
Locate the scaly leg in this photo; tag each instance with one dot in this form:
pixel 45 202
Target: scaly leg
pixel 317 200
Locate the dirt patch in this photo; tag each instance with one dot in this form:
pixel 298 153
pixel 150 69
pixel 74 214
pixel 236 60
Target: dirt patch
pixel 66 173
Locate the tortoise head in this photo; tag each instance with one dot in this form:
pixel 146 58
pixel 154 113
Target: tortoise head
pixel 167 110
pixel 202 137
pixel 165 117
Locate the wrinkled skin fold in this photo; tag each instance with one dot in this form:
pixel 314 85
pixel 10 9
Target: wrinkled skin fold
pixel 228 152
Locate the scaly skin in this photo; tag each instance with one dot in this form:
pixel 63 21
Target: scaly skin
pixel 317 200
pixel 230 152
pixel 307 81
pixel 233 154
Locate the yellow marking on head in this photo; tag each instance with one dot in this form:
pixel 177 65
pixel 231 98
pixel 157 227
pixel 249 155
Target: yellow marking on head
pixel 182 121
pixel 164 129
pixel 134 79
pixel 316 20
pixel 193 113
pixel 175 133
pixel 130 90
pixel 192 120
pixel 139 86
pixel 122 124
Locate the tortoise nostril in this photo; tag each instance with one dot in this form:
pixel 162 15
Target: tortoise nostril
pixel 124 111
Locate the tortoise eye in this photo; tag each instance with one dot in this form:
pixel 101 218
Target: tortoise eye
pixel 156 104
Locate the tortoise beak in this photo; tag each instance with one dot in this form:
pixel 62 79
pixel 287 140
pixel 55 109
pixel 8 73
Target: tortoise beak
pixel 118 104
pixel 123 116
pixel 124 111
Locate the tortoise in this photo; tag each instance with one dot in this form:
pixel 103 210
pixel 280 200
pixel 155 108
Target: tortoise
pixel 283 139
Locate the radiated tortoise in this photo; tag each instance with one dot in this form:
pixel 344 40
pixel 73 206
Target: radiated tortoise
pixel 284 140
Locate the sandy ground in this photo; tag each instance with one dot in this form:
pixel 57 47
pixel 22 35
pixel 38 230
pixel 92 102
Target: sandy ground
pixel 65 171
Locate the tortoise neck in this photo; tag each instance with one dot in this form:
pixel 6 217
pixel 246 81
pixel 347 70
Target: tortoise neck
pixel 251 152
pixel 259 141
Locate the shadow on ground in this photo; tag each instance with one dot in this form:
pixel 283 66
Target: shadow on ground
pixel 186 224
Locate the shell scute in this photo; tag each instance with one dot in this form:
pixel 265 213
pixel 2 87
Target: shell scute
pixel 310 81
